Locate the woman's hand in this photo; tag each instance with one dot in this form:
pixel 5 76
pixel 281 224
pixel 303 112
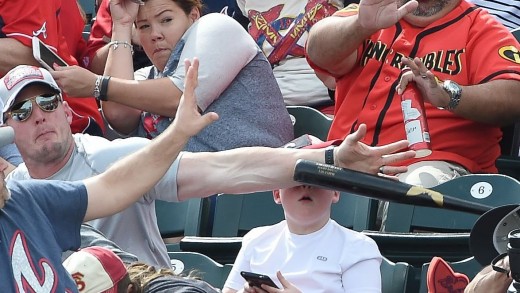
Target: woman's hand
pixel 123 12
pixel 75 81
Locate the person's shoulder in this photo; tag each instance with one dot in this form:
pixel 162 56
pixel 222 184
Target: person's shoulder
pixel 93 144
pixel 19 173
pixel 478 14
pixel 351 236
pixel 42 188
pixel 86 139
pixel 101 152
pixel 265 232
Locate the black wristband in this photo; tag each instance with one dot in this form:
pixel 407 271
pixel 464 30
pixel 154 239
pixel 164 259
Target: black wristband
pixel 103 89
pixel 329 155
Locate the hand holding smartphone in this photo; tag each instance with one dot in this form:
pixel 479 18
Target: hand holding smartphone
pixel 256 280
pixel 44 55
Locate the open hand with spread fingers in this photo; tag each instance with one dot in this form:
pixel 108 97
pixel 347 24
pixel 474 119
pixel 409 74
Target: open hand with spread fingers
pixel 378 14
pixel 355 155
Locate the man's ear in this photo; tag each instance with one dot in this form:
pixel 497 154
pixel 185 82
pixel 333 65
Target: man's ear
pixel 276 196
pixel 68 111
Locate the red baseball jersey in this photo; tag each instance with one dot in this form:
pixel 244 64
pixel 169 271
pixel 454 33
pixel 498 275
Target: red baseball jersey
pixel 100 33
pixel 467 46
pixel 23 19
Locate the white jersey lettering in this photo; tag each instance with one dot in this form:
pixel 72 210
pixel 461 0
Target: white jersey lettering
pixel 24 272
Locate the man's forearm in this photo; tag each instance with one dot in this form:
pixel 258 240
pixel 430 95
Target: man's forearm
pixel 14 53
pixel 241 170
pixel 496 102
pixel 333 42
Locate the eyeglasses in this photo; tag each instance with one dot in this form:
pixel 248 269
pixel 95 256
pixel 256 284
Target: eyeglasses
pixel 23 110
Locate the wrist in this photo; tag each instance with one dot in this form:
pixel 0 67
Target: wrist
pixel 101 88
pixel 445 97
pixel 363 29
pixel 330 155
pixel 122 32
pixel 454 92
pixel 122 26
pixel 116 44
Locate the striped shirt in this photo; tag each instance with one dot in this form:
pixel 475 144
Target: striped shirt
pixel 506 11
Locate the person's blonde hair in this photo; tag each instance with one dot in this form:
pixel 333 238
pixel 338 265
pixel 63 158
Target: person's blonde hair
pixel 142 274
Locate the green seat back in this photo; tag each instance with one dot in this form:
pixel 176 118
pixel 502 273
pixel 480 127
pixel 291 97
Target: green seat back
pixel 394 276
pixel 308 120
pixel 489 189
pixel 204 267
pixel 185 218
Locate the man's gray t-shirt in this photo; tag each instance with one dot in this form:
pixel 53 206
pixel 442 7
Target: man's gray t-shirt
pixel 135 229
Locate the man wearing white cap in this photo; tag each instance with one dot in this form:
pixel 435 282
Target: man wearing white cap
pixel 50 151
pixel 39 219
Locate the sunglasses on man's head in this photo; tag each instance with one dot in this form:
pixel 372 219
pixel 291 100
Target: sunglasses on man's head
pixel 23 110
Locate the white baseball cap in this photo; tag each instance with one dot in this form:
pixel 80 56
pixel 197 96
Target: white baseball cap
pixel 95 269
pixel 18 78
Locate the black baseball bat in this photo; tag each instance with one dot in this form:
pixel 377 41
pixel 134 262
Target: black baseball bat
pixel 335 178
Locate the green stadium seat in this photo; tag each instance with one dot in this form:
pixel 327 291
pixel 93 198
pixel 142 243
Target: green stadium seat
pixel 209 270
pixel 308 120
pixel 394 276
pixel 488 189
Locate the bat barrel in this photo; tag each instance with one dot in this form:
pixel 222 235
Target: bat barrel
pixel 331 177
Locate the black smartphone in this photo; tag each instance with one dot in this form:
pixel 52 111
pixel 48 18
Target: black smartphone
pixel 44 55
pixel 256 280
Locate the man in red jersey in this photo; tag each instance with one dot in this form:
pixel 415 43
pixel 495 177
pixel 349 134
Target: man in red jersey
pixel 21 20
pixel 465 64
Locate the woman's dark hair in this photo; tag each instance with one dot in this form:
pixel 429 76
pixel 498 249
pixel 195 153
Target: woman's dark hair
pixel 188 5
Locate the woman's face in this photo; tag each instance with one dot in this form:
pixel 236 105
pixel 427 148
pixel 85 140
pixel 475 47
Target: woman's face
pixel 160 25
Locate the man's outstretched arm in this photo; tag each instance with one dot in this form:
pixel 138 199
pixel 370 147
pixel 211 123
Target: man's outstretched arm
pixel 130 178
pixel 333 41
pixel 254 169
